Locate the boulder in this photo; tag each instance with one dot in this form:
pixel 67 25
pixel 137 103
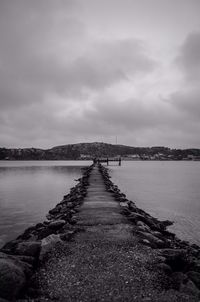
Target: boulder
pixel 70 205
pixel 196 266
pixel 39 225
pixel 190 289
pixel 47 244
pixel 166 223
pixel 25 267
pixel 145 242
pixel 121 199
pixel 142 226
pixel 161 259
pixel 172 252
pixel 135 217
pixel 49 216
pixel 55 210
pixel 155 242
pixel 141 217
pixel 142 229
pixel 125 211
pixel 157 234
pixel 73 220
pixel 72 212
pixel 164 267
pixel 167 242
pixel 57 224
pixel 10 246
pixel 32 237
pixel 28 248
pixel 178 279
pixel 132 206
pixel 169 235
pixel 27 259
pixel 195 277
pixel 64 209
pixel 176 258
pixel 12 279
pixel 67 235
pixel 27 233
pixel 45 232
pixel 150 222
pixel 123 204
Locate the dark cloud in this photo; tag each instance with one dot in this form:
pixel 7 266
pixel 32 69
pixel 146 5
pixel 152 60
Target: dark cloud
pixel 189 58
pixel 108 62
pixel 74 70
pixel 30 71
pixel 42 51
pixel 32 36
pixel 188 102
pixel 39 85
pixel 187 98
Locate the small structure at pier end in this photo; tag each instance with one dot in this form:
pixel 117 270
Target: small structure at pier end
pixel 107 160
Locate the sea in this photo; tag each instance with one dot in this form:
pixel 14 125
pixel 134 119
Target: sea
pixel 29 189
pixel 165 189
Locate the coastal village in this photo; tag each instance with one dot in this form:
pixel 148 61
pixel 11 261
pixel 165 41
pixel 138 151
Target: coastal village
pixel 157 156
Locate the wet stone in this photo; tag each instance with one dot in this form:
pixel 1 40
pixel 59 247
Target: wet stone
pixel 57 224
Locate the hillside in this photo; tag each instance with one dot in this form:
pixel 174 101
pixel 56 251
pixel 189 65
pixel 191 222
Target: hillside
pixel 96 149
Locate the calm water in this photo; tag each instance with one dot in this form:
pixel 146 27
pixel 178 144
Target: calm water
pixel 29 189
pixel 167 190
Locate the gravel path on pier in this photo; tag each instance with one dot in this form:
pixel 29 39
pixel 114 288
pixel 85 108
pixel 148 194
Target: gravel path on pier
pixel 104 261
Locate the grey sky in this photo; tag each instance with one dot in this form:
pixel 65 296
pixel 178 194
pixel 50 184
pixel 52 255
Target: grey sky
pixel 82 71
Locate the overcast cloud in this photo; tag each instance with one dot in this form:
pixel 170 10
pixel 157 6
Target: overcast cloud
pixel 82 71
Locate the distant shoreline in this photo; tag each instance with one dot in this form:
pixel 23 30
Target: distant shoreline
pixel 123 159
pixel 88 151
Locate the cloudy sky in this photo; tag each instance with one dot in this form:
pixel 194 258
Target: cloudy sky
pixel 90 70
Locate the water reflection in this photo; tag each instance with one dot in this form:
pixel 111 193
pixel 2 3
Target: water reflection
pixel 29 189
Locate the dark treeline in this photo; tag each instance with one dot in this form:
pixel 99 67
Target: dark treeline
pixel 90 150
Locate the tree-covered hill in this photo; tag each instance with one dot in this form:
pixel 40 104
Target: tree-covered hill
pixel 90 150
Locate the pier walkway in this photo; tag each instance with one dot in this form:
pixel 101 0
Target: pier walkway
pixel 104 261
pixel 99 207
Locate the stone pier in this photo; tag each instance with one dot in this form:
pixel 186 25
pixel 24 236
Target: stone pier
pixel 96 245
pixel 104 261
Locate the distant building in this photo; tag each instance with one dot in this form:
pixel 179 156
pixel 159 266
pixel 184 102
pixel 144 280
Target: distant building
pixel 131 157
pixel 85 156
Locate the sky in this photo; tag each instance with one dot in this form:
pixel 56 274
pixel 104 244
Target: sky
pixel 100 70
